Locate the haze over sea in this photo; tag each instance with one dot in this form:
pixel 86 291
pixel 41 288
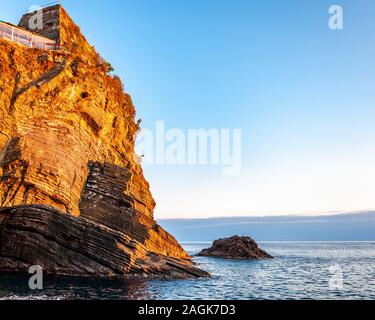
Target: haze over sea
pixel 300 270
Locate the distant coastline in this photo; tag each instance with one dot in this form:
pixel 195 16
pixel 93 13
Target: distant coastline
pixel 356 226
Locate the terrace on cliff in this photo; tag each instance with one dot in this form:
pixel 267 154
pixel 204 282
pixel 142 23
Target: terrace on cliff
pixel 37 29
pixel 73 198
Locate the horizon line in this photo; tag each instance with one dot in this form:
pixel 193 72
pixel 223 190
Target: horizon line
pixel 307 215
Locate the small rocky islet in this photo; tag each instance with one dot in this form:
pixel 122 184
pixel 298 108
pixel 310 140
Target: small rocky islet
pixel 236 247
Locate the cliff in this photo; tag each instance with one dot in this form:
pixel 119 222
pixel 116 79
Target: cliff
pixel 73 198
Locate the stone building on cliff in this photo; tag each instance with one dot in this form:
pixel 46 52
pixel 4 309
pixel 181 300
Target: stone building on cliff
pixel 45 22
pixel 36 29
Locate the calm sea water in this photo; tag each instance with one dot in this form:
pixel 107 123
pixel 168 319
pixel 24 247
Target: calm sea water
pixel 300 270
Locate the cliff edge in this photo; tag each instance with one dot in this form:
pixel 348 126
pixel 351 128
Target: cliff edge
pixel 73 198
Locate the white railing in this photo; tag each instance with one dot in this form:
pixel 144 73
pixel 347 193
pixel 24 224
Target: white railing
pixel 26 38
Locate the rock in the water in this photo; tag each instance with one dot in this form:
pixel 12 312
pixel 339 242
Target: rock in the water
pixel 73 197
pixel 235 248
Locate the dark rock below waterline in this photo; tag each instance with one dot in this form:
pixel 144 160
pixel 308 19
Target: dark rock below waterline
pixel 75 246
pixel 235 248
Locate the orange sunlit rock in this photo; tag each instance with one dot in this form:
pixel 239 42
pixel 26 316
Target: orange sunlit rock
pixel 72 197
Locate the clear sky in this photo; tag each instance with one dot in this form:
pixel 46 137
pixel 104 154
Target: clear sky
pixel 302 94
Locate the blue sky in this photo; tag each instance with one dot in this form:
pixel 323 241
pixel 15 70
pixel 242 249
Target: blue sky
pixel 302 94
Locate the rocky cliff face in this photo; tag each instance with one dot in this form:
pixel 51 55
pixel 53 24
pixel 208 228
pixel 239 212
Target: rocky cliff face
pixel 73 198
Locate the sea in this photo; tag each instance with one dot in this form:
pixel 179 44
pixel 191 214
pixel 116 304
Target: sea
pixel 299 270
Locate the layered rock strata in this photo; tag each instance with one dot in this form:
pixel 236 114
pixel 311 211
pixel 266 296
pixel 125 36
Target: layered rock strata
pixel 73 197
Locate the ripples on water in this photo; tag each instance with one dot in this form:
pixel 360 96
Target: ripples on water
pixel 300 270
